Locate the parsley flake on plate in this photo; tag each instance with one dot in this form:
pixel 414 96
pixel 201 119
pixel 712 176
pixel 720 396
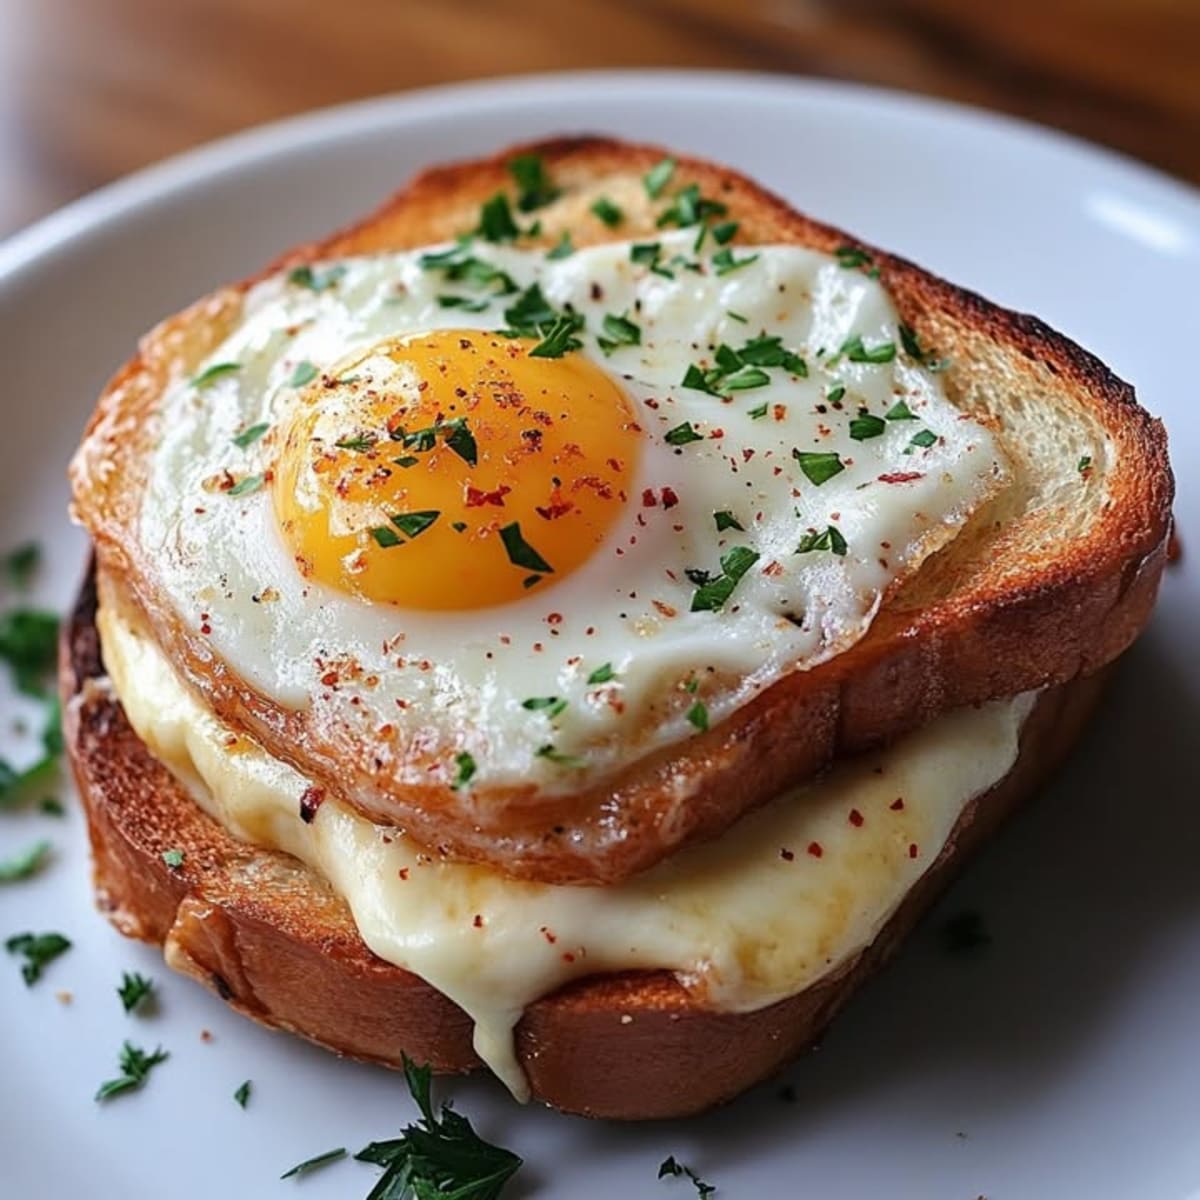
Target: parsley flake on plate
pixel 439 1156
pixel 38 950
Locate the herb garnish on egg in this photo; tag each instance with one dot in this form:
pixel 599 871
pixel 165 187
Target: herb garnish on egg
pixel 535 187
pixel 829 538
pixel 819 465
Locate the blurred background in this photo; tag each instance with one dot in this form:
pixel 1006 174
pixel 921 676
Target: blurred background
pixel 92 89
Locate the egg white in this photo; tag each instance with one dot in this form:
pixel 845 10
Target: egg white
pixel 465 674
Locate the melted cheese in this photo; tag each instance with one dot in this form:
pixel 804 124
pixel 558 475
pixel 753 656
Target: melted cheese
pixel 761 913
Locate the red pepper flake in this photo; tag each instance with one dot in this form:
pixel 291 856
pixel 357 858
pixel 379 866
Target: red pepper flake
pixel 779 411
pixel 814 848
pixel 856 818
pixel 330 678
pixel 897 804
pixel 568 957
pixel 478 922
pixel 669 498
pixel 901 476
pixel 717 433
pixel 648 498
pixel 310 801
pixel 786 854
pixel 403 872
pixel 665 609
pixel 912 850
pixel 554 618
pixel 205 628
pixel 773 569
pixel 548 935
pixel 477 499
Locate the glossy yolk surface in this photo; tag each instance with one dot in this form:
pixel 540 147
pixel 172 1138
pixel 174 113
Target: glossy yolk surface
pixel 453 470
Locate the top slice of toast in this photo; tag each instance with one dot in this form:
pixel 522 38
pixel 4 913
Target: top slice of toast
pixel 1052 578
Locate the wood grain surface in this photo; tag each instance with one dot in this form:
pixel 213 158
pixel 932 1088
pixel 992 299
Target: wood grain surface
pixel 91 89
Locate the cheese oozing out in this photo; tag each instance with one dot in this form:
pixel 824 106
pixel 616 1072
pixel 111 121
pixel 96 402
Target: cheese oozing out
pixel 434 538
pixel 778 901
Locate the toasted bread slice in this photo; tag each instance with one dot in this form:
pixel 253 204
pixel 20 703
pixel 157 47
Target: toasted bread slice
pixel 273 940
pixel 1050 580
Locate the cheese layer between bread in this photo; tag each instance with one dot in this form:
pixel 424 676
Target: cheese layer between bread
pixel 786 896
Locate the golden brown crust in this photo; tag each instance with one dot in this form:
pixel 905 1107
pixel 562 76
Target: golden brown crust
pixel 273 940
pixel 1007 607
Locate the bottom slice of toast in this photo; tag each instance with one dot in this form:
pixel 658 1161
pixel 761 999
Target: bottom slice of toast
pixel 276 943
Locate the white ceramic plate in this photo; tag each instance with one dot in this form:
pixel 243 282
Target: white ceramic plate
pixel 1064 1061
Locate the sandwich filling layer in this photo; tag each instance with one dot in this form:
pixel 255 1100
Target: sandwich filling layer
pixel 777 902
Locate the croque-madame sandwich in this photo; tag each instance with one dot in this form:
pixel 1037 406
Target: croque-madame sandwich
pixel 576 619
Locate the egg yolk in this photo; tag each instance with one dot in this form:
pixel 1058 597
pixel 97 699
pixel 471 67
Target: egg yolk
pixel 453 470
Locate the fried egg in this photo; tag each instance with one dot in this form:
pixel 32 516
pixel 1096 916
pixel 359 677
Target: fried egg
pixel 518 518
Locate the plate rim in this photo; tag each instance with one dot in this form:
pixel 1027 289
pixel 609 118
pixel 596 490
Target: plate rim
pixel 109 203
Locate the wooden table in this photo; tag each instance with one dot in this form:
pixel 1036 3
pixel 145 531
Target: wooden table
pixel 91 89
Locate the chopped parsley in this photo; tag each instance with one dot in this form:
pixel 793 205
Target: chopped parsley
pixel 210 375
pixel 900 412
pixel 669 1166
pixel 305 372
pixel 757 413
pixel 851 257
pixel 854 349
pixel 249 436
pixel 458 265
pixel 414 523
pixel 602 674
pixel 768 351
pixel 496 222
pixel 173 858
pixel 465 303
pixel 697 715
pixel 21 564
pixel 724 262
pixel 819 466
pixel 439 1156
pixel 465 772
pixel 316 281
pixel 924 439
pixel 550 754
pixel 560 338
pixel 456 434
pixel 657 178
pixel 135 1066
pixel 530 312
pixel 520 552
pixel 360 443
pixel 726 231
pixel 461 440
pixel 645 253
pixel 562 248
pixel 745 378
pixel 726 520
pixel 1084 465
pixel 605 210
pixel 242 1095
pixel 690 208
pixel 911 343
pixel 550 705
pixel 835 393
pixel 385 538
pixel 534 187
pixel 736 316
pixel 406 460
pixel 38 950
pixel 315 1163
pixel 829 538
pixel 24 863
pixel 247 485
pixel 711 595
pixel 134 991
pixel 681 435
pixel 29 644
pixel 619 331
pixel 866 425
